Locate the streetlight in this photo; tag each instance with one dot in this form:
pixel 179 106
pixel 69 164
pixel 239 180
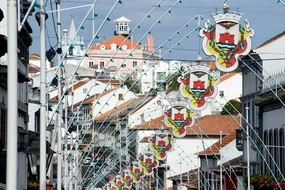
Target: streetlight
pixel 33 154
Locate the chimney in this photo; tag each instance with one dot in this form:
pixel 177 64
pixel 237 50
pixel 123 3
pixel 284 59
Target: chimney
pixel 150 42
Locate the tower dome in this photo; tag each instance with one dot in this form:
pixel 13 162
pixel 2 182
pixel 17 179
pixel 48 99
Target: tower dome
pixel 122 26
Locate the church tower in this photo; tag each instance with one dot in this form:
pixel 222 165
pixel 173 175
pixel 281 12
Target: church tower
pixel 76 50
pixel 122 26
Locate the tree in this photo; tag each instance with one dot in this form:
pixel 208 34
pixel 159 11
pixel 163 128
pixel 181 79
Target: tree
pixel 132 84
pixel 231 108
pixel 172 78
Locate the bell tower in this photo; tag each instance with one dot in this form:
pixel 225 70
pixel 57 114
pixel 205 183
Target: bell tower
pixel 122 26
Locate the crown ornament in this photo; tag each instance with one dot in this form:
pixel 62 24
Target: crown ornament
pixel 227 15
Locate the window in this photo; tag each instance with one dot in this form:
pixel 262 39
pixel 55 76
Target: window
pixel 135 63
pixel 120 96
pixel 102 64
pixel 90 63
pixel 85 90
pixel 161 76
pixel 70 51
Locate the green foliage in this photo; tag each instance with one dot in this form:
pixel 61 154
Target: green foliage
pixel 172 78
pixel 231 107
pixel 265 182
pixel 132 84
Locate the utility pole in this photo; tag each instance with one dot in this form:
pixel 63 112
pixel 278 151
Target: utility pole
pixel 221 167
pixel 12 133
pixel 247 149
pixel 59 136
pixel 65 121
pixel 42 99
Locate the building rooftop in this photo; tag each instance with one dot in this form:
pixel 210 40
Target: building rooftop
pixel 210 125
pixel 215 148
pixel 119 40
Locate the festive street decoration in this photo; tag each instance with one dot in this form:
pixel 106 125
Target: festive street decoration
pixel 148 162
pixel 107 186
pixel 117 183
pixel 136 172
pixel 227 39
pixel 127 179
pixel 178 117
pixel 161 143
pixel 198 85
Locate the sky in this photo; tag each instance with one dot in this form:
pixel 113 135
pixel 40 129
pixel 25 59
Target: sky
pixel 265 17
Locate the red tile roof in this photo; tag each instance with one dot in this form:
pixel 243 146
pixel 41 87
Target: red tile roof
pixel 121 106
pixel 34 56
pixel 119 40
pixel 92 99
pixel 227 76
pixel 214 149
pixel 209 124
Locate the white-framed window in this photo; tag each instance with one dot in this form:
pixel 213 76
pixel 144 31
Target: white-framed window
pixel 124 47
pixel 85 90
pixel 102 47
pixel 135 63
pixel 102 64
pixel 90 63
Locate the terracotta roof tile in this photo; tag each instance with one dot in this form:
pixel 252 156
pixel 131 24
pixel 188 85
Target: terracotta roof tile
pixel 227 76
pixel 209 124
pixel 212 65
pixel 91 99
pixel 75 86
pixel 121 106
pixel 214 149
pixel 109 80
pixel 119 39
pixel 34 56
pixel 33 68
pixel 191 175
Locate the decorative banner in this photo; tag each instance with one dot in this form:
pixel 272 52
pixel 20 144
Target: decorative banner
pixel 117 183
pixel 147 162
pixel 136 172
pixel 107 186
pixel 127 179
pixel 178 117
pixel 226 39
pixel 161 143
pixel 198 85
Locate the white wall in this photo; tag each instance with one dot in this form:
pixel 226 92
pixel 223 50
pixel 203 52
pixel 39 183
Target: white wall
pixel 229 152
pixel 271 51
pixel 111 100
pixel 150 111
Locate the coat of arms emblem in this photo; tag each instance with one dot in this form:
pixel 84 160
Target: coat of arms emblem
pixel 127 179
pixel 148 162
pixel 136 172
pixel 107 187
pixel 227 39
pixel 198 85
pixel 179 116
pixel 117 183
pixel 161 143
